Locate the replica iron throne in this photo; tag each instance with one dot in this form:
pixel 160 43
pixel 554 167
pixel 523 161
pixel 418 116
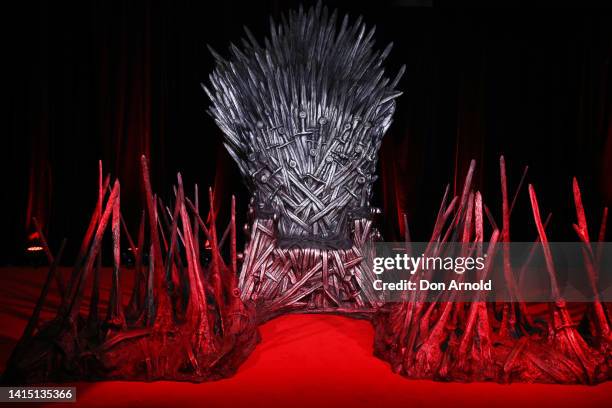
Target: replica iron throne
pixel 303 117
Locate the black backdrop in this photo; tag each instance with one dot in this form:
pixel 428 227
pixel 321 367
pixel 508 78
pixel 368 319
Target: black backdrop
pixel 112 80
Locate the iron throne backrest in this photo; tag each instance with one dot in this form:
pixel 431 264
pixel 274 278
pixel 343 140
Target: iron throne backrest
pixel 303 117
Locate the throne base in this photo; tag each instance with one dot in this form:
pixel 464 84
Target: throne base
pixel 308 280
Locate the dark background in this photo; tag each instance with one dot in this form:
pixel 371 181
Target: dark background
pixel 110 80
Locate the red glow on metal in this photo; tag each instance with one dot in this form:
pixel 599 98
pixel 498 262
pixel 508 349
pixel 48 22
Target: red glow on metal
pixel 481 341
pixel 186 320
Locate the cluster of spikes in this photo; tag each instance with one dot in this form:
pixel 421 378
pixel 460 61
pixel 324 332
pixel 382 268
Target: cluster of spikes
pixel 505 341
pixel 306 62
pixel 303 117
pixel 184 319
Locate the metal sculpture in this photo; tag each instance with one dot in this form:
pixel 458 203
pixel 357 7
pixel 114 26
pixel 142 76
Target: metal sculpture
pixel 184 321
pixel 303 116
pixel 502 342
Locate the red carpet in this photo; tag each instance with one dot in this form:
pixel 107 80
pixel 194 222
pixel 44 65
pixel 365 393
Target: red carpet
pixel 303 361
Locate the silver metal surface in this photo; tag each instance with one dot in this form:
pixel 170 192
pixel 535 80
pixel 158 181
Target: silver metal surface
pixel 303 115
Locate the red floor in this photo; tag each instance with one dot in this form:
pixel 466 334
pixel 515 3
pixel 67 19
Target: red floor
pixel 303 361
